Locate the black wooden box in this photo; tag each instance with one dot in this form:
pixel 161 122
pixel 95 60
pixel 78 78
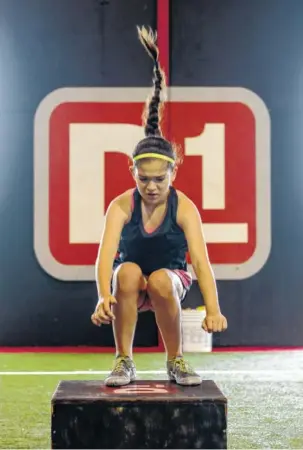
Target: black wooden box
pixel 145 414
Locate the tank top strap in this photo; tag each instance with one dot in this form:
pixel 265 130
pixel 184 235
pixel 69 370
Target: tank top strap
pixel 136 203
pixel 173 204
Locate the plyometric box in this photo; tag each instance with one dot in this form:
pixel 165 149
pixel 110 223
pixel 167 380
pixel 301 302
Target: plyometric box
pixel 145 414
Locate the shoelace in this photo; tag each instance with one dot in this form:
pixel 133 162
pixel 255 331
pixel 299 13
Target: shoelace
pixel 183 366
pixel 120 364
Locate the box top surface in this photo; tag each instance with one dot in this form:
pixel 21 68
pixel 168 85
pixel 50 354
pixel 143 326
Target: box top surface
pixel 89 391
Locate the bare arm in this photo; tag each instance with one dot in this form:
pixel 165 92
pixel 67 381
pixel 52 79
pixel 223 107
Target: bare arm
pixel 116 216
pixel 190 221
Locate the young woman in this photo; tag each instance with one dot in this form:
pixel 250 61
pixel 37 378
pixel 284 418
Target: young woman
pixel 141 262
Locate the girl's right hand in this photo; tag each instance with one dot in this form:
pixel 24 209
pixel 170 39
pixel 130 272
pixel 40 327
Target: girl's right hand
pixel 103 313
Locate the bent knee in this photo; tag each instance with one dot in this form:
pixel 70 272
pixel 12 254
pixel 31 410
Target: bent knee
pixel 127 278
pixel 160 284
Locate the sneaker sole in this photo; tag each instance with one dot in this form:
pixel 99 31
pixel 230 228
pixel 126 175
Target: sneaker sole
pixel 118 383
pixel 173 379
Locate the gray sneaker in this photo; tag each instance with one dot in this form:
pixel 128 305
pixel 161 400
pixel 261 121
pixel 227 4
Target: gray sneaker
pixel 179 370
pixel 124 372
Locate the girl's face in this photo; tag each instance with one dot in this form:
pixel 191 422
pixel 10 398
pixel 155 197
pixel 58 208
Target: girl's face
pixel 153 178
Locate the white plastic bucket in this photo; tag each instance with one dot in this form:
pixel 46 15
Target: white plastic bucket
pixel 194 338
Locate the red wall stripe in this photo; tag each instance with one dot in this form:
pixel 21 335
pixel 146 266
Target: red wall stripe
pixel 84 349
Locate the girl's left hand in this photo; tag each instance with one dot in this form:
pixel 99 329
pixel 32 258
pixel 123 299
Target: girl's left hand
pixel 214 323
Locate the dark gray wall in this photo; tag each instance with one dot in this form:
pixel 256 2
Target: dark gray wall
pixel 48 44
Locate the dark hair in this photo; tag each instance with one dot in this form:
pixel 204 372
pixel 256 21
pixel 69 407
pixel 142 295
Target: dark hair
pixel 154 142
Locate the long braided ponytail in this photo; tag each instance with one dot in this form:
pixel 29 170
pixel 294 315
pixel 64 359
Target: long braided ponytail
pixel 153 142
pixel 152 114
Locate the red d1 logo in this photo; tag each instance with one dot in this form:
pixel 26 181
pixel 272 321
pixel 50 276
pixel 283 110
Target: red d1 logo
pixel 84 138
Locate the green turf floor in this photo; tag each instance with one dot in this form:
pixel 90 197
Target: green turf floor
pixel 264 392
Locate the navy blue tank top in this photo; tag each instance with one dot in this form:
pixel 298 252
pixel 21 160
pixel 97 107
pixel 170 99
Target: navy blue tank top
pixel 164 248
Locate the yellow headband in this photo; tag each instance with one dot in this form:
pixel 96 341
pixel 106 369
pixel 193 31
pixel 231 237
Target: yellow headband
pixel 154 155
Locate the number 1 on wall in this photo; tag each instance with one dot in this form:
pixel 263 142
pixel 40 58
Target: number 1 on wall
pixel 210 144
